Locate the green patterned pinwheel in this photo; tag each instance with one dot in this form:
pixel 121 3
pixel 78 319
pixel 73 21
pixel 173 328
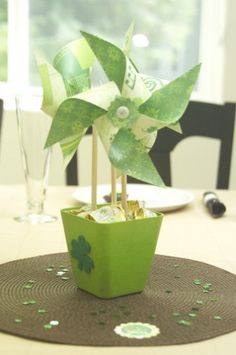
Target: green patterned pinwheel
pixel 68 76
pixel 125 112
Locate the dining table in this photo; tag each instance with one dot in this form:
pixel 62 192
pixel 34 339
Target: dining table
pixel 188 232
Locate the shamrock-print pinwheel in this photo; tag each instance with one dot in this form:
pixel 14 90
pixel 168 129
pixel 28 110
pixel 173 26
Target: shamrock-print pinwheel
pixel 125 112
pixel 69 75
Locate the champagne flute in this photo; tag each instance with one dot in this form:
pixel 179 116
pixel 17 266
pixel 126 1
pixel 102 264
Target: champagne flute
pixel 33 126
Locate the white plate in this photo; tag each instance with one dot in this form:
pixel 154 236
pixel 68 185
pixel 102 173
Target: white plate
pixel 157 198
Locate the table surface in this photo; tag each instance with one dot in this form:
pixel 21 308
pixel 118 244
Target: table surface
pixel 189 233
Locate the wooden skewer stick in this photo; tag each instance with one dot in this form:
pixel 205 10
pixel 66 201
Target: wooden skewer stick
pixel 124 193
pixel 94 169
pixel 113 185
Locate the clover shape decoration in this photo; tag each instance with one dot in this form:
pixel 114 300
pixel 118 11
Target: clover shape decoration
pixel 69 75
pixel 125 112
pixel 80 249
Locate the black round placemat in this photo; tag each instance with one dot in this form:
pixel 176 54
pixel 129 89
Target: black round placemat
pixel 187 300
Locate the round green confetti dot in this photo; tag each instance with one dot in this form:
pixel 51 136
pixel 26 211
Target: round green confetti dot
pixel 217 317
pixel 176 314
pixel 192 315
pixel 47 326
pixel 28 286
pixel 18 320
pixel 49 269
pixel 60 273
pixel 184 322
pixel 168 291
pixel 41 311
pixel 28 302
pixel 197 282
pixel 32 302
pixel 199 302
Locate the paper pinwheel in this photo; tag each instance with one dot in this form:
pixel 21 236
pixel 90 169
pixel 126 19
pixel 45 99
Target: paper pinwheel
pixel 126 114
pixel 69 75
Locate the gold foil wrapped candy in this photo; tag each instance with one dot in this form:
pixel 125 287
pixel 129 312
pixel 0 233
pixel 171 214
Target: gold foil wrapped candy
pixel 107 214
pixel 115 213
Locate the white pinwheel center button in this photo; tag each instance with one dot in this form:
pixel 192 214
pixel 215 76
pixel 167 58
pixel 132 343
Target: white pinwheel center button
pixel 122 112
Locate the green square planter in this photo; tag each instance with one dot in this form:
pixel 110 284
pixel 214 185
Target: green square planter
pixel 113 259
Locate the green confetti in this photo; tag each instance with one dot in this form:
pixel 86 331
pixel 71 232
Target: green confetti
pixel 217 317
pixel 47 326
pixel 29 302
pixel 60 273
pixel 42 311
pixel 168 291
pixel 184 322
pixel 199 302
pixel 197 282
pixel 176 314
pixel 28 286
pixel 18 320
pixel 192 315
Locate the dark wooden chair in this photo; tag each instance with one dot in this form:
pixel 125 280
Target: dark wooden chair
pixel 72 177
pixel 200 119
